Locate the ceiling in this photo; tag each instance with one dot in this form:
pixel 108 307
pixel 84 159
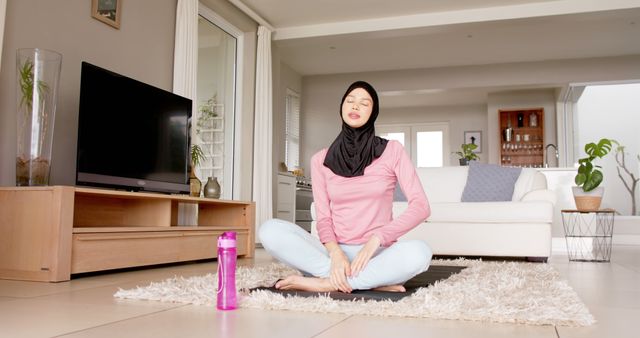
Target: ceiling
pixel 345 36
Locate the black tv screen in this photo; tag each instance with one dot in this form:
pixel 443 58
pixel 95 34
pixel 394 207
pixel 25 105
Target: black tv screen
pixel 131 135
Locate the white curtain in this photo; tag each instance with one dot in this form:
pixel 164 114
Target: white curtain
pixel 263 139
pixel 185 54
pixel 185 68
pixel 3 9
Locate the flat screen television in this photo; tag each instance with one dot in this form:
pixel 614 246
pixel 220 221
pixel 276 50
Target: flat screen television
pixel 131 135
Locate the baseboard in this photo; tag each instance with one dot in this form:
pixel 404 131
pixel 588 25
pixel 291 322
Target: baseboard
pixel 559 244
pixel 626 239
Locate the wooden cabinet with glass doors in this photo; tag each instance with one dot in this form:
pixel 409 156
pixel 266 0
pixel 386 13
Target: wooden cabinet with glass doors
pixel 522 138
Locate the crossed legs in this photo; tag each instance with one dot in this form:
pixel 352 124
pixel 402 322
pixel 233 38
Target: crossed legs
pixel 388 269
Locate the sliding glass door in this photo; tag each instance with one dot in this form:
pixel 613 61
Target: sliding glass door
pixel 216 91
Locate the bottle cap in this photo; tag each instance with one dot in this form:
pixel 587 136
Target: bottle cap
pixel 228 235
pixel 227 240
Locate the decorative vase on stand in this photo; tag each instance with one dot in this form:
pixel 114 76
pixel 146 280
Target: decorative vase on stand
pixel 195 185
pixel 212 188
pixel 38 74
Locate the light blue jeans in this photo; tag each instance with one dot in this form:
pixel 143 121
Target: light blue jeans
pixel 297 248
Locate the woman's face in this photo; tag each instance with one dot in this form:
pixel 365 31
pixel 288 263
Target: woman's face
pixel 357 108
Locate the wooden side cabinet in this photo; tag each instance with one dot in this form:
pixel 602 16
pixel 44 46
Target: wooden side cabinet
pixel 50 233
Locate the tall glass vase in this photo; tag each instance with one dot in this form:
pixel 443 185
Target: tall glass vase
pixel 38 73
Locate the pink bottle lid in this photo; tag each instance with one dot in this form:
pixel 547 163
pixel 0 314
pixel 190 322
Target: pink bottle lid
pixel 227 240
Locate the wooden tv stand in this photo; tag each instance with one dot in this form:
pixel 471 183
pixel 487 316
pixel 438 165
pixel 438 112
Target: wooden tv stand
pixel 50 233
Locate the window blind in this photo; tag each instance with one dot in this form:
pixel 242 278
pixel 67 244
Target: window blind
pixel 292 130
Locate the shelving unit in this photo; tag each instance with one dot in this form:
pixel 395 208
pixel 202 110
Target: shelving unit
pixel 526 147
pixel 212 132
pixel 50 233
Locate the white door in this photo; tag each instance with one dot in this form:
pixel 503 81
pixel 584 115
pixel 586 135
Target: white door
pixel 430 146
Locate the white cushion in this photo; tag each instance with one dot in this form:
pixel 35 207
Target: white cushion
pixel 443 184
pixel 486 212
pixel 529 179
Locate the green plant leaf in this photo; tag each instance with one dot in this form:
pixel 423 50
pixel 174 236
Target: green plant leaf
pixel 593 181
pixel 598 150
pixel 197 155
pixel 27 85
pixel 466 151
pixel 580 179
pixel 585 168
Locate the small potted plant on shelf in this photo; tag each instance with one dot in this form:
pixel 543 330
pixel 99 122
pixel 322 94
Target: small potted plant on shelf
pixel 587 193
pixel 466 153
pixel 197 156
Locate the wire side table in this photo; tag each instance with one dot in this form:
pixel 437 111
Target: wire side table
pixel 588 234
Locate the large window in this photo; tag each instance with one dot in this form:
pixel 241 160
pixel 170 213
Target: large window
pixel 607 111
pixel 427 143
pixel 292 138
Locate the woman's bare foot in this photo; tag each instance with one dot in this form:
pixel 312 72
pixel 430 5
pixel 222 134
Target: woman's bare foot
pixel 314 284
pixel 391 288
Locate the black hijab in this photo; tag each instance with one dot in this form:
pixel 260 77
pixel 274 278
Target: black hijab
pixel 355 148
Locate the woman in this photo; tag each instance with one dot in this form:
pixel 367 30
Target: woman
pixel 353 184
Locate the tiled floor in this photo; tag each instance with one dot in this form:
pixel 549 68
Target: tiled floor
pixel 85 307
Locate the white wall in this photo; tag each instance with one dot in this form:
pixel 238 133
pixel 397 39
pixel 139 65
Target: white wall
pixel 3 9
pixel 142 49
pixel 612 111
pixel 545 98
pixel 320 94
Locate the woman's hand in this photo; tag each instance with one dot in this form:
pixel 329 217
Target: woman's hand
pixel 364 255
pixel 340 269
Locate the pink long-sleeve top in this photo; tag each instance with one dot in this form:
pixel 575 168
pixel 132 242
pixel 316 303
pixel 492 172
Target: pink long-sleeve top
pixel 349 210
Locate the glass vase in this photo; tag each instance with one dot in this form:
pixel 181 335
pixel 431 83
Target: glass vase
pixel 195 185
pixel 38 74
pixel 212 188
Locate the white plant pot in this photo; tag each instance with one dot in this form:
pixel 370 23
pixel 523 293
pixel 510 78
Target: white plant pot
pixel 588 201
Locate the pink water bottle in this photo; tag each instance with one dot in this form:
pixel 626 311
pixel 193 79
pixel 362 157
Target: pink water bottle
pixel 227 297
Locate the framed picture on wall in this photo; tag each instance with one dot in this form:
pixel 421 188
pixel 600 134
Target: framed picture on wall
pixel 474 137
pixel 107 11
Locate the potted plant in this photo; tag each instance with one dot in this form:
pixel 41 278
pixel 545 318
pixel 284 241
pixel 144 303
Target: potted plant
pixel 587 193
pixel 466 153
pixel 197 156
pixel 38 72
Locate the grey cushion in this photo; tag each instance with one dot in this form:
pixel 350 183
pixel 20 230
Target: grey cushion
pixel 489 183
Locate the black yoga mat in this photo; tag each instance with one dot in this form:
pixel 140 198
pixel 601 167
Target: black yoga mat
pixel 429 277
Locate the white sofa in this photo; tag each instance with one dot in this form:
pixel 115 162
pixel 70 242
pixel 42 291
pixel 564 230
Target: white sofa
pixel 517 228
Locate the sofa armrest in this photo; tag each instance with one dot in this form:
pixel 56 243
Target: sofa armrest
pixel 540 195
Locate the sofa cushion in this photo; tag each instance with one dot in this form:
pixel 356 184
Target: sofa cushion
pixel 443 184
pixel 486 212
pixel 489 183
pixel 529 179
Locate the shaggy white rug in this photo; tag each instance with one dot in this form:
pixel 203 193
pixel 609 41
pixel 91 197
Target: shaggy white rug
pixel 505 292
